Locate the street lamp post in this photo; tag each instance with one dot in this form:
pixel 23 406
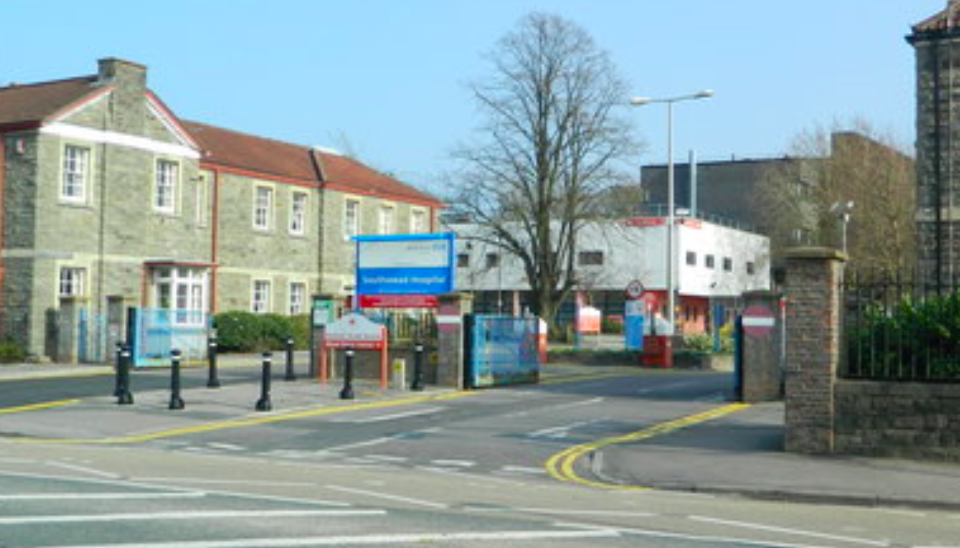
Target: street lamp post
pixel 671 213
pixel 842 210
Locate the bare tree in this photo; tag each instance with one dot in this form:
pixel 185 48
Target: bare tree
pixel 798 201
pixel 553 137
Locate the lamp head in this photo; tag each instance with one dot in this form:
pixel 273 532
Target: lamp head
pixel 640 101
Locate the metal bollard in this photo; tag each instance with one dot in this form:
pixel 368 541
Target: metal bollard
pixel 124 396
pixel 118 388
pixel 290 376
pixel 176 402
pixel 347 392
pixel 417 367
pixel 263 404
pixel 213 381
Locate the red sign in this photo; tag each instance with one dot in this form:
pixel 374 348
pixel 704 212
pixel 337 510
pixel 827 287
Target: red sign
pixel 398 301
pixel 645 221
pixel 758 320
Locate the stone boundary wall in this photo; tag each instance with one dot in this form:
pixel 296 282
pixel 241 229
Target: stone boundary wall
pixel 898 419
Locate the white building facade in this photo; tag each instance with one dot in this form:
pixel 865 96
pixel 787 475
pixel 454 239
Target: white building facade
pixel 713 266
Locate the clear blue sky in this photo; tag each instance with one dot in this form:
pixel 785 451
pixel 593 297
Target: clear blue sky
pixel 390 76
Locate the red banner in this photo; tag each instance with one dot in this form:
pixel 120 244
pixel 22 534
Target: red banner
pixel 398 301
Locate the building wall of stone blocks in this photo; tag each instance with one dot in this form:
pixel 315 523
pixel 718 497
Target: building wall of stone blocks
pixel 898 419
pixel 339 253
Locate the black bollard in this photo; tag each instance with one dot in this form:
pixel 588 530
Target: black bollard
pixel 417 384
pixel 263 404
pixel 124 396
pixel 213 381
pixel 118 388
pixel 176 402
pixel 290 376
pixel 347 392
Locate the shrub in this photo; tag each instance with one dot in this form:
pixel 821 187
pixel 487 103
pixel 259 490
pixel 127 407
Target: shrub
pixel 11 352
pixel 698 342
pixel 612 324
pixel 239 331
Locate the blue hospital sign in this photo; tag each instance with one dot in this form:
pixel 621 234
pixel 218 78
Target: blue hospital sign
pixel 405 264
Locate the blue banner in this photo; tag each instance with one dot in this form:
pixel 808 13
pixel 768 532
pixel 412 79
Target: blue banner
pixel 405 264
pixel 404 281
pixel 503 351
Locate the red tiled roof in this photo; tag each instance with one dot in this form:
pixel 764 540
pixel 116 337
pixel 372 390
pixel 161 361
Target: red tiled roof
pixel 258 155
pixel 33 103
pixel 948 19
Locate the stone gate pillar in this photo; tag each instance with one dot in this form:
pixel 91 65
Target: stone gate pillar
pixel 813 347
pixel 450 334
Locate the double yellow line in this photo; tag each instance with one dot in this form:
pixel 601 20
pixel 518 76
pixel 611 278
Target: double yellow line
pixel 562 466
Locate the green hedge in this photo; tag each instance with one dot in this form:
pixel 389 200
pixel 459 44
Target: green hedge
pixel 239 331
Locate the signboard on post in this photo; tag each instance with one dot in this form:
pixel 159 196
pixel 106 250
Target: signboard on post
pixel 405 264
pixel 758 321
pixel 359 333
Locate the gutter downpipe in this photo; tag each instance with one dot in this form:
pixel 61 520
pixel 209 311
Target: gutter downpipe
pixel 3 203
pixel 214 238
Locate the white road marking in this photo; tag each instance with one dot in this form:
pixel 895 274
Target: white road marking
pixel 369 540
pixel 386 458
pixel 522 470
pixel 82 469
pixel 216 481
pixel 102 496
pixel 797 532
pixel 707 539
pixel 573 404
pixel 393 416
pixel 226 446
pixel 385 496
pixel 168 516
pixel 562 512
pixel 453 463
pixel 557 432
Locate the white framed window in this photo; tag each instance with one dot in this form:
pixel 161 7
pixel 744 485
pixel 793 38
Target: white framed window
pixel 385 220
pixel 351 219
pixel 167 181
pixel 72 281
pixel 298 298
pixel 76 174
pixel 263 208
pixel 418 221
pixel 298 213
pixel 260 303
pixel 183 291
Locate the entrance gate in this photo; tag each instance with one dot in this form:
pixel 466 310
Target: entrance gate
pixel 156 332
pixel 502 350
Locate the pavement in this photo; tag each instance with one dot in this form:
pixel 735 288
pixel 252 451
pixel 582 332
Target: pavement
pixel 740 453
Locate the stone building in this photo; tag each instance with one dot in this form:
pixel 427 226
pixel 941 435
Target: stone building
pixel 107 193
pixel 936 42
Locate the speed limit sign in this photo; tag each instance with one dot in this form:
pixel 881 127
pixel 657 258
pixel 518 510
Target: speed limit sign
pixel 635 289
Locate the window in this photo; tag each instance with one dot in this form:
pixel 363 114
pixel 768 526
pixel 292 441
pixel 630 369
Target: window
pixel 72 281
pixel 260 304
pixel 181 290
pixel 386 220
pixel 692 258
pixel 168 176
pixel 727 264
pixel 263 208
pixel 298 213
pixel 493 260
pixel 76 168
pixel 418 221
pixel 710 261
pixel 751 268
pixel 298 294
pixel 590 258
pixel 463 260
pixel 351 219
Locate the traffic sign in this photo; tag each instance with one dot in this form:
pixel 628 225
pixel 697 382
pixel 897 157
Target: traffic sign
pixel 758 320
pixel 635 289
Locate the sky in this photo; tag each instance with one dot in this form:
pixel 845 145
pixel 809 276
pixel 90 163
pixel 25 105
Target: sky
pixel 388 80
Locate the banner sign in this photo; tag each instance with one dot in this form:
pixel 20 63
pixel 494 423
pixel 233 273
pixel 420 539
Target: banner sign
pixel 355 331
pixel 405 264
